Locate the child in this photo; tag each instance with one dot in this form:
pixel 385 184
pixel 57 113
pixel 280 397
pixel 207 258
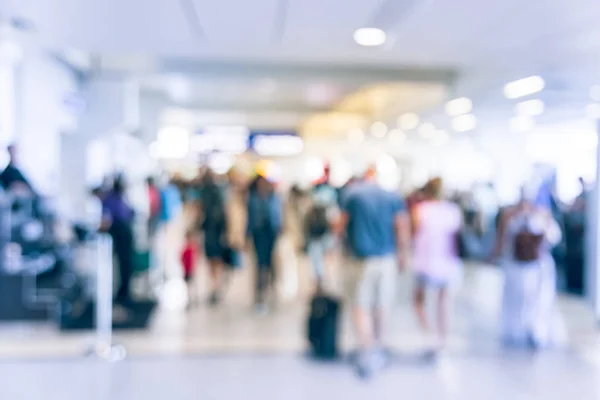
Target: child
pixel 188 262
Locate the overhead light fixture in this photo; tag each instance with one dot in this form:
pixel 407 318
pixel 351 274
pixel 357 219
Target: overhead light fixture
pixel 595 93
pixel 370 37
pixel 530 108
pixel 179 88
pixel 440 138
pixel 173 142
pixel 521 123
pixel 464 123
pixel 396 137
pixel 524 87
pixel 459 106
pixel 265 145
pixel 427 130
pixel 593 111
pixel 408 121
pixel 356 136
pixel 379 130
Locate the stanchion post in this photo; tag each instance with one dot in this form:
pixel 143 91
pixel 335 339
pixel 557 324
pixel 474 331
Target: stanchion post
pixel 104 347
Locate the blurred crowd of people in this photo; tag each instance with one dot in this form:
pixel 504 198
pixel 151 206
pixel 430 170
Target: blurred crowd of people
pixel 356 239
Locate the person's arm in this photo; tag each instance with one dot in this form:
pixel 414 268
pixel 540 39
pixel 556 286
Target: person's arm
pixel 249 218
pixel 402 227
pixel 505 216
pixel 552 232
pixel 106 220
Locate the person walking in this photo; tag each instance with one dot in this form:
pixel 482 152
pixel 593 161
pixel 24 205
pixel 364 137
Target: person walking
pixel 214 226
pixel 264 227
pixel 117 220
pixel 377 229
pixel 530 317
pixel 436 261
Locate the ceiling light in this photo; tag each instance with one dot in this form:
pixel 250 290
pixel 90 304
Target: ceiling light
pixel 459 106
pixel 464 123
pixel 265 145
pixel 595 93
pixel 530 108
pixel 427 130
pixel 593 111
pixel 396 137
pixel 179 88
pixel 521 123
pixel 408 121
pixel 379 129
pixel 524 87
pixel 356 136
pixel 173 142
pixel 370 37
pixel 440 138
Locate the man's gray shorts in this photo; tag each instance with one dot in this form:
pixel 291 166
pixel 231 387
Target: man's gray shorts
pixel 371 282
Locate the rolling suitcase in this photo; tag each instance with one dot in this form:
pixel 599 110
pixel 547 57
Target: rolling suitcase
pixel 322 329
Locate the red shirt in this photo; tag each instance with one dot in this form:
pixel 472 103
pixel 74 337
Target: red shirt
pixel 154 196
pixel 188 258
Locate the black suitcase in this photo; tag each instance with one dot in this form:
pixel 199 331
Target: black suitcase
pixel 322 328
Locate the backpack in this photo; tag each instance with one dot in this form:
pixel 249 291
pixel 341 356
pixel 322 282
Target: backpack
pixel 527 245
pixel 317 222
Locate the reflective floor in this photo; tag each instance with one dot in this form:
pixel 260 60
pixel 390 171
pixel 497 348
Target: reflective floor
pixel 230 352
pixel 469 376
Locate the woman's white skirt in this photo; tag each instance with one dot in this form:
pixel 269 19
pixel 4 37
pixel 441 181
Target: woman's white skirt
pixel 530 314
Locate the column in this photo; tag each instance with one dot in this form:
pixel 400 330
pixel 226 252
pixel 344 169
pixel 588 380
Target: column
pixel 593 239
pixel 10 57
pixel 112 105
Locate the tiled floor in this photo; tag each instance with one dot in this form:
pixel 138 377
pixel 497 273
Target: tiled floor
pixel 230 353
pixel 491 377
pixel 233 328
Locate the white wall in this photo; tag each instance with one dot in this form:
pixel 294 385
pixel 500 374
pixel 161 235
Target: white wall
pixel 43 85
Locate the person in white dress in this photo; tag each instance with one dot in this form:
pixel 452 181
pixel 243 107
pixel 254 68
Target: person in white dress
pixel 530 316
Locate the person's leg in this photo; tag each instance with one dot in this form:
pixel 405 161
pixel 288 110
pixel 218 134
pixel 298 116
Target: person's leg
pixel 316 259
pixel 386 292
pixel 123 245
pixel 357 292
pixel 442 315
pixel 261 270
pixel 271 274
pixel 364 299
pixel 215 268
pixel 419 305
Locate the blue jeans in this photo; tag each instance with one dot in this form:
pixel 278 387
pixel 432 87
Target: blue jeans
pixel 317 249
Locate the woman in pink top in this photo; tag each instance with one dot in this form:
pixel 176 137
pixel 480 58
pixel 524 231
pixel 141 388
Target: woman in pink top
pixel 436 261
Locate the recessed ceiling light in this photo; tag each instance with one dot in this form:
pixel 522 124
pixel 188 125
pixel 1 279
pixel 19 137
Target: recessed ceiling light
pixel 179 88
pixel 408 121
pixel 379 129
pixel 531 108
pixel 427 130
pixel 440 138
pixel 370 37
pixel 521 123
pixel 459 106
pixel 524 87
pixel 356 136
pixel 396 136
pixel 464 123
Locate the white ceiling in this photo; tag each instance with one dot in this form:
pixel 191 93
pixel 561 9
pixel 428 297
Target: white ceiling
pixel 488 42
pixel 538 33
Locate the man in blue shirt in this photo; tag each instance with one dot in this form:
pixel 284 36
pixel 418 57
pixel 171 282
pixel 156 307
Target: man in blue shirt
pixel 377 229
